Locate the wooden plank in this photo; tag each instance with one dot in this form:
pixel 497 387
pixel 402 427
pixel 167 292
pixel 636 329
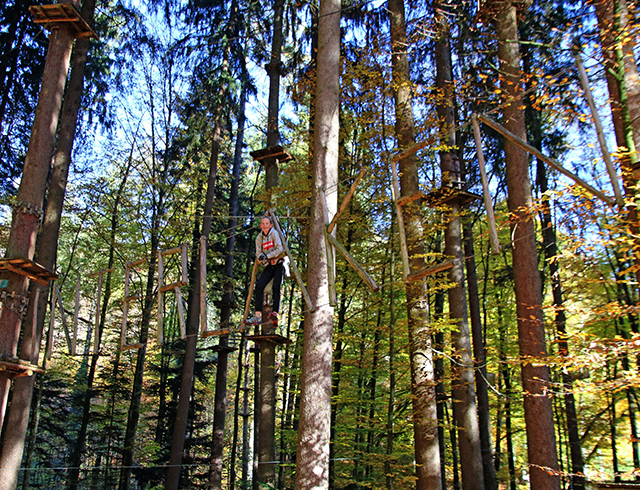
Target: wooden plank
pixel 330 256
pixel 247 303
pixel 173 285
pixel 411 150
pixel 183 326
pixel 171 251
pixel 346 200
pixel 353 262
pixel 131 346
pixel 488 203
pixel 203 285
pixel 104 271
pixel 534 151
pixel 292 264
pixel 52 322
pixel 215 333
pixel 429 271
pixel 160 299
pixel 403 201
pixel 613 174
pixel 184 278
pixel 395 189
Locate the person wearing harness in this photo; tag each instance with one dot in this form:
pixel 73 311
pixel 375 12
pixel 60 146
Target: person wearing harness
pixel 271 254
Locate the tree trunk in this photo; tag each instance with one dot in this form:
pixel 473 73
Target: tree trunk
pixel 541 445
pixel 425 423
pixel 312 461
pixel 550 248
pixel 480 357
pixel 26 219
pixel 392 374
pixel 193 316
pixel 462 383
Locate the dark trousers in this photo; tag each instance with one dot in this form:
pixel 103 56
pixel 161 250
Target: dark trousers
pixel 274 272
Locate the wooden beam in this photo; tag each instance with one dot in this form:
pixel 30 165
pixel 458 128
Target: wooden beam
pixel 203 285
pixel 395 190
pixel 534 151
pixel 488 204
pixel 429 271
pixel 613 175
pixel 294 267
pixel 345 201
pixel 329 252
pixel 247 303
pixel 352 262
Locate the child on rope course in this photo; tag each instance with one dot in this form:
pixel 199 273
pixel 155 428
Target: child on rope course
pixel 271 254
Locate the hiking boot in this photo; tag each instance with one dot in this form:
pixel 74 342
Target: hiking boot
pixel 254 320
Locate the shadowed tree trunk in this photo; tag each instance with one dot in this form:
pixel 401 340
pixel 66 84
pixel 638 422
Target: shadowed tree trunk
pixel 25 221
pixel 462 384
pixel 425 423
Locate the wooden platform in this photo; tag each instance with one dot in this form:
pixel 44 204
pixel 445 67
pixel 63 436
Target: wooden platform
pixel 27 268
pixel 62 13
pixel 273 338
pixel 447 195
pixel 276 152
pixel 19 367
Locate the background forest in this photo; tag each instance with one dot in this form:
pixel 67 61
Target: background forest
pixel 175 99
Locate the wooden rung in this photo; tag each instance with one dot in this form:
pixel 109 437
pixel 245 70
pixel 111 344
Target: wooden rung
pixel 215 333
pixel 274 338
pixel 19 367
pixel 27 268
pixel 171 251
pixel 131 298
pixel 131 346
pixel 173 285
pixel 136 262
pixel 404 200
pixel 429 271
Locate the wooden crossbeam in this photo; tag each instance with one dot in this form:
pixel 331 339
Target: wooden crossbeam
pixel 404 200
pixel 488 203
pixel 352 262
pixel 19 367
pixel 345 201
pixel 273 338
pixel 429 271
pixel 534 151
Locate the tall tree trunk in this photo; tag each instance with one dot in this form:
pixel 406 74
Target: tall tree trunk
pixel 541 445
pixel 550 248
pixel 425 423
pixel 26 218
pixel 193 319
pixel 18 416
pixel 463 382
pixel 480 357
pixel 220 402
pixel 392 373
pixel 312 461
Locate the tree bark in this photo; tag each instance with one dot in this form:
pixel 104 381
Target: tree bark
pixel 425 423
pixel 26 216
pixel 541 444
pixel 312 461
pixel 463 381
